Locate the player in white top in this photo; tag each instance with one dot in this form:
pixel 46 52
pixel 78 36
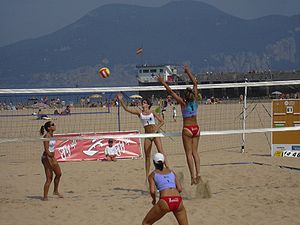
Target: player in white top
pixel 49 162
pixel 110 151
pixel 147 117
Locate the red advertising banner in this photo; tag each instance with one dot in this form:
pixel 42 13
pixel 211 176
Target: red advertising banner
pixel 93 149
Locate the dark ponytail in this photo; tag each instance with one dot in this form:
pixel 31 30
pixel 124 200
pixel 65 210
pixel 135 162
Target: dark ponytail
pixel 42 130
pixel 45 127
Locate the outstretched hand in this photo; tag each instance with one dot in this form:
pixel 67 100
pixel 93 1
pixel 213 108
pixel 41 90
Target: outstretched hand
pixel 186 68
pixel 159 78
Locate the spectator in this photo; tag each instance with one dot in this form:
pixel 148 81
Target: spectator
pixel 110 151
pixel 67 110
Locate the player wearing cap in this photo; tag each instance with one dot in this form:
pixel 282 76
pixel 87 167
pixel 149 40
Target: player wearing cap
pixel 169 187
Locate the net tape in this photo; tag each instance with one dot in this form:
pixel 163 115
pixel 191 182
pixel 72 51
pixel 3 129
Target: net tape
pixel 162 135
pixel 146 88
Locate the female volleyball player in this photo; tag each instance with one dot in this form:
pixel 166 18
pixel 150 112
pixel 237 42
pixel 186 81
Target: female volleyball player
pixel 191 130
pixel 147 117
pixel 169 188
pixel 50 163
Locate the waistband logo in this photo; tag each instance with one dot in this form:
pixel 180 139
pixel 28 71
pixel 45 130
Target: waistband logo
pixel 173 200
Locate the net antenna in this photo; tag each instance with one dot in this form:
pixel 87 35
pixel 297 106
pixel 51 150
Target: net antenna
pixel 244 116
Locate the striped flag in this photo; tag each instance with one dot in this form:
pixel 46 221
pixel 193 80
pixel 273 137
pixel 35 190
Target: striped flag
pixel 139 51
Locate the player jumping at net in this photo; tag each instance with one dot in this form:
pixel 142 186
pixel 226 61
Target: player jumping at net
pixel 169 188
pixel 191 130
pixel 49 162
pixel 147 117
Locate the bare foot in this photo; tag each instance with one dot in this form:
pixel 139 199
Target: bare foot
pixel 58 194
pixel 194 180
pixel 198 179
pixel 45 199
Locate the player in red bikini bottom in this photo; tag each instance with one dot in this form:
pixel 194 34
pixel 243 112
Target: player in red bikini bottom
pixel 169 189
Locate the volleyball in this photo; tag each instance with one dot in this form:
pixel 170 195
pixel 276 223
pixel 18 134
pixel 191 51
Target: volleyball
pixel 104 72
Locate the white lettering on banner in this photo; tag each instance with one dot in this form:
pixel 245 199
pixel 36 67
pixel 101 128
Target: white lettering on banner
pixel 65 150
pixel 91 150
pixel 120 146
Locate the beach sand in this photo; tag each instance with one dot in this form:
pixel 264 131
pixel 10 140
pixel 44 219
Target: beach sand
pixel 246 188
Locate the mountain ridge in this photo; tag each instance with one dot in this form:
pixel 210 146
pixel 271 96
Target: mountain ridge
pixel 178 32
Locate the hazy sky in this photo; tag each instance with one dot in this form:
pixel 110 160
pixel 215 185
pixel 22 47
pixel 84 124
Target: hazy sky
pixel 22 19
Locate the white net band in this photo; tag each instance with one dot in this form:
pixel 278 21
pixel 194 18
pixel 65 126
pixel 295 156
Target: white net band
pixel 161 135
pixel 146 88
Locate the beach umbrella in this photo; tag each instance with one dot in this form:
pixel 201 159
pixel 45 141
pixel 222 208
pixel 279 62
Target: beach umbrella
pixel 276 93
pixel 135 97
pixel 95 96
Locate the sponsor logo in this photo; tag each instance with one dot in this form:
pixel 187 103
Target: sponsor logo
pixel 66 149
pixel 294 154
pixel 278 154
pixel 296 147
pixel 173 200
pixel 282 148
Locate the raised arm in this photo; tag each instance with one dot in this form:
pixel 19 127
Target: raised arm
pixel 125 107
pixel 188 71
pixel 174 95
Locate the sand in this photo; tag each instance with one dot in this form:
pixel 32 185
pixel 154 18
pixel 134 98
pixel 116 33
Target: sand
pixel 246 188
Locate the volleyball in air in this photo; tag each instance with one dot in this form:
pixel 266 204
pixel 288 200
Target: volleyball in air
pixel 104 72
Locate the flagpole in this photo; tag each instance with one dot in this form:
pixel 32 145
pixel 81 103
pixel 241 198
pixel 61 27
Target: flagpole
pixel 142 54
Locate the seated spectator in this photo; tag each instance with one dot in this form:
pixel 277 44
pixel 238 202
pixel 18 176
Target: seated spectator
pixel 110 151
pixel 67 110
pixel 56 112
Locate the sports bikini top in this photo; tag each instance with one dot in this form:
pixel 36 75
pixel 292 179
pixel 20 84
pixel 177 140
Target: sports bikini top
pixel 191 109
pixel 164 181
pixel 147 119
pixel 52 145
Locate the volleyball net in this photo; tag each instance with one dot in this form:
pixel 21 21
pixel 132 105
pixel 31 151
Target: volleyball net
pixel 228 114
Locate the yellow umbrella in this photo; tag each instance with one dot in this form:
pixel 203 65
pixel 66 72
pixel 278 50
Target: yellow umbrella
pixel 95 96
pixel 136 97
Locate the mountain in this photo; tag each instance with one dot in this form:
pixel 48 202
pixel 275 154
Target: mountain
pixel 178 32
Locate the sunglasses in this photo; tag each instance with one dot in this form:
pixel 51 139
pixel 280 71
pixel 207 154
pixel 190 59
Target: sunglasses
pixel 52 125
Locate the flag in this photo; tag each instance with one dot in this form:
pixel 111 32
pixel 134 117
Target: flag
pixel 139 51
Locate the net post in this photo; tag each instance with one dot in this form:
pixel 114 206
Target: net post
pixel 244 117
pixel 119 119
